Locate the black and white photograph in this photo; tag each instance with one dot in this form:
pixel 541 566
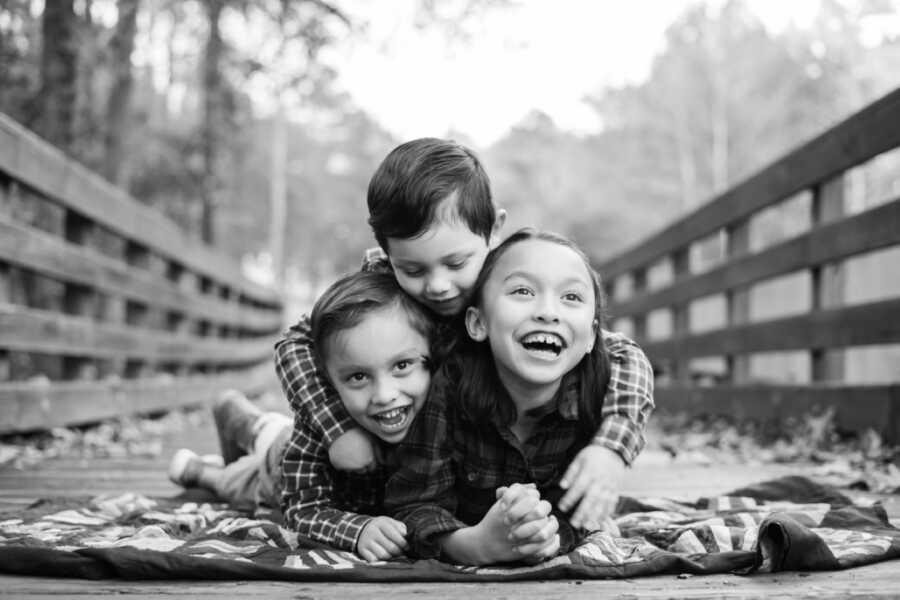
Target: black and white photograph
pixel 450 298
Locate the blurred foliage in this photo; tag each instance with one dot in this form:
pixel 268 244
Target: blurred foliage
pixel 724 97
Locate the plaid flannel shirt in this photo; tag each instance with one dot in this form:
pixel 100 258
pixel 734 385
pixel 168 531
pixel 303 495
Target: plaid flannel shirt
pixel 627 406
pixel 318 501
pixel 448 467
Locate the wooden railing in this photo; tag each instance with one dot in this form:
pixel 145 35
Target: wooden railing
pixel 106 307
pixel 830 325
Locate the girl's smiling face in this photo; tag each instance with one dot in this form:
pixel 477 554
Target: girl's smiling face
pixel 537 311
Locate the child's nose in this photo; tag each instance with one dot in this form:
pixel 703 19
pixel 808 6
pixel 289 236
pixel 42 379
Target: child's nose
pixel 437 285
pixel 385 392
pixel 547 310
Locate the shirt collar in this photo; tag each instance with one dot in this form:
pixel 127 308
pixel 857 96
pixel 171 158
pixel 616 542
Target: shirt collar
pixel 565 402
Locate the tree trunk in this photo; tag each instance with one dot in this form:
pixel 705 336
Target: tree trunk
pixel 59 68
pixel 121 47
pixel 213 118
pixel 278 193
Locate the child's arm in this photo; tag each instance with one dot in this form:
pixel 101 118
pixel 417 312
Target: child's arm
pixel 518 527
pixel 422 493
pixel 308 499
pixel 308 390
pixel 593 479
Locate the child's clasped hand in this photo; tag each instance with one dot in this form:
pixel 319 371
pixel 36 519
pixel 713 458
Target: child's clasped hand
pixel 382 538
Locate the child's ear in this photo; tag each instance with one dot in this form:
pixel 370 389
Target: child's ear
pixel 475 324
pixel 595 327
pixel 499 222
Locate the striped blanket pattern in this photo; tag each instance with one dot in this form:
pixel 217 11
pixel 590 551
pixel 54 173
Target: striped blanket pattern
pixel 786 524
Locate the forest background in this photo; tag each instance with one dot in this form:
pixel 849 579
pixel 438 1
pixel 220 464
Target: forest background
pixel 154 95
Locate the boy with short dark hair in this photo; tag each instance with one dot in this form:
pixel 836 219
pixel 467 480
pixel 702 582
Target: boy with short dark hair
pixel 431 211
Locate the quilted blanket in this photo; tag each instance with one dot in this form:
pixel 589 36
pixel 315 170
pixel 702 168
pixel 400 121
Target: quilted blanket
pixel 785 524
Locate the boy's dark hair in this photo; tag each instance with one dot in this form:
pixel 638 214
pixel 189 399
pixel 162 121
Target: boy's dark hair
pixel 593 370
pixel 413 180
pixel 351 298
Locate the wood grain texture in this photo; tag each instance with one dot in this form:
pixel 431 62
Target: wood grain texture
pixel 28 406
pixel 871 230
pixel 33 330
pixel 50 255
pixel 858 138
pixel 41 167
pixel 857 325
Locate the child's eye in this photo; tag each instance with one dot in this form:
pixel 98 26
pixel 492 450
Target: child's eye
pixel 573 297
pixel 407 364
pixel 356 378
pixel 521 291
pixel 456 264
pixel 413 272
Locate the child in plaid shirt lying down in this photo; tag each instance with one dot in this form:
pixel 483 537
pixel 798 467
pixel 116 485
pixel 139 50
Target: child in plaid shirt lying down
pixel 374 341
pixel 520 396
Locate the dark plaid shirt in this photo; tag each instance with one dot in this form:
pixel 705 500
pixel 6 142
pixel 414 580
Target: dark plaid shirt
pixel 318 501
pixel 320 418
pixel 447 469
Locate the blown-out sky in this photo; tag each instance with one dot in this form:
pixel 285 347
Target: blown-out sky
pixel 532 54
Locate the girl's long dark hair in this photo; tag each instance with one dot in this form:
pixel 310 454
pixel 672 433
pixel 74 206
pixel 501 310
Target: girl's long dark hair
pixel 472 375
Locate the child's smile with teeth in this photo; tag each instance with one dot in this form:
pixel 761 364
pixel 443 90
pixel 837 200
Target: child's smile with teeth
pixel 394 418
pixel 536 310
pixel 380 369
pixel 544 342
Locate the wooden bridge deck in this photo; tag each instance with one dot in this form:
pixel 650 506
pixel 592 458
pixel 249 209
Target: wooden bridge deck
pixel 74 476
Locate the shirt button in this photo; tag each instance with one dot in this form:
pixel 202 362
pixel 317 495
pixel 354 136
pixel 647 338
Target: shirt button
pixel 471 477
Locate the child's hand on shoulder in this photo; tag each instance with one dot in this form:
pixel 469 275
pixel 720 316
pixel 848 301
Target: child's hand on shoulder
pixel 592 482
pixel 354 451
pixel 382 538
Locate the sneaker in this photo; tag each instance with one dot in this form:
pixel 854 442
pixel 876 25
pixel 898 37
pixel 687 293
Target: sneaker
pixel 185 468
pixel 212 460
pixel 235 417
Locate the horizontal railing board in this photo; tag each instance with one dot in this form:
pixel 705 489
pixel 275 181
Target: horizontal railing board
pixel 857 407
pixel 30 406
pixel 862 136
pixel 867 231
pixel 50 255
pixel 33 330
pixel 27 158
pixel 857 325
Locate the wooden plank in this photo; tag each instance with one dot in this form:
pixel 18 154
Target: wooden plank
pixel 857 325
pixel 737 299
pixel 27 247
pixel 829 279
pixel 861 136
pixel 42 167
pixel 867 231
pixel 878 580
pixel 34 330
pixel 29 406
pixel 857 407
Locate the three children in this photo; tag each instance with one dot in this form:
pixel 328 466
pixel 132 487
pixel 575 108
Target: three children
pixel 431 211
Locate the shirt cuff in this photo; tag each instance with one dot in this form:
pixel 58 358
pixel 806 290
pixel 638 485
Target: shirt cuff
pixel 425 526
pixel 621 435
pixel 569 537
pixel 349 530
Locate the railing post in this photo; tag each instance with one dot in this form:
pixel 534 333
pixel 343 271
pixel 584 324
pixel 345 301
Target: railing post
pixel 828 280
pixel 681 267
pixel 738 299
pixel 639 285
